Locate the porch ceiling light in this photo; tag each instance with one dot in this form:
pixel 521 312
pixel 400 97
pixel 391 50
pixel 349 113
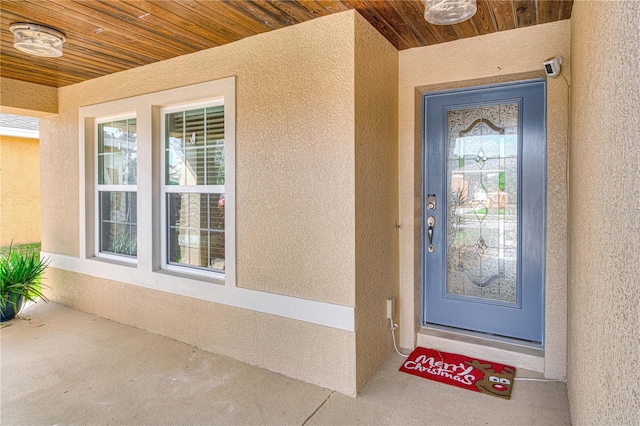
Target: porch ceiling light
pixel 448 12
pixel 37 40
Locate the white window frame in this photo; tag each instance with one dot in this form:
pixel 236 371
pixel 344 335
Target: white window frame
pixel 108 188
pixel 147 272
pixel 195 189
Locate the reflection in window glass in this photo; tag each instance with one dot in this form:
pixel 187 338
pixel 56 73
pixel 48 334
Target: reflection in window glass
pixel 194 147
pixel 118 223
pixel 196 230
pixel 117 153
pixel 116 187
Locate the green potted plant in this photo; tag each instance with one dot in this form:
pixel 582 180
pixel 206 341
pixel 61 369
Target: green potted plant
pixel 20 280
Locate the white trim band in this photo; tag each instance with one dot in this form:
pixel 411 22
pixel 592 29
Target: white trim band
pixel 322 313
pixel 19 133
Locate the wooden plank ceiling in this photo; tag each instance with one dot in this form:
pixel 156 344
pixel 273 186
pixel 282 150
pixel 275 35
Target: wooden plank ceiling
pixel 104 37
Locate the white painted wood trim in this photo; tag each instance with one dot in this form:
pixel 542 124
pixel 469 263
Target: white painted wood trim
pixel 19 133
pixel 315 312
pixel 146 273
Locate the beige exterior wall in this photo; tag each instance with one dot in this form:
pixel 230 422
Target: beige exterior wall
pixel 301 148
pixel 469 62
pixel 294 171
pixel 22 98
pixel 309 352
pixel 604 289
pixel 19 190
pixel 376 199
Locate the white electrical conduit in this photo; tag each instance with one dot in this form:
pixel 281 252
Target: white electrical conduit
pixel 393 335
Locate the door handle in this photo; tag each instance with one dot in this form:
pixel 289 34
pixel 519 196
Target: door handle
pixel 431 221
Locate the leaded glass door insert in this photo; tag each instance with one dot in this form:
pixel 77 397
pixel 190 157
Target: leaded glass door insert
pixel 482 178
pixel 484 165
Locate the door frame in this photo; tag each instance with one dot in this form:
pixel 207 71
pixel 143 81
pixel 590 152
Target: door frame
pixel 552 360
pixel 540 159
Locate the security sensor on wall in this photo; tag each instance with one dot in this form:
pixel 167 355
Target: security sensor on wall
pixel 552 66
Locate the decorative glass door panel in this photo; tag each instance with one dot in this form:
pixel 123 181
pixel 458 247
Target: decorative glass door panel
pixel 484 210
pixel 482 179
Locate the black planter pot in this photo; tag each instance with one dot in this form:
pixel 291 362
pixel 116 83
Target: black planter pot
pixel 12 307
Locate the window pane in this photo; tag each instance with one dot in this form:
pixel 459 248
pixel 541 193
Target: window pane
pixel 215 144
pixel 215 164
pixel 194 127
pixel 215 124
pixel 175 130
pixel 118 223
pixel 186 166
pixel 194 147
pixel 196 230
pixel 117 152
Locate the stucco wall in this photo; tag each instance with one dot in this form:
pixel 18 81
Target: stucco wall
pixel 22 98
pixel 297 134
pixel 376 200
pixel 294 172
pixel 487 59
pixel 604 289
pixel 19 190
pixel 309 352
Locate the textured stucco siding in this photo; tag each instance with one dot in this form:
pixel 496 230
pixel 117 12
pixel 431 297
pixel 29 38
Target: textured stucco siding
pixel 297 135
pixel 22 98
pixel 294 154
pixel 491 58
pixel 376 199
pixel 295 209
pixel 604 288
pixel 19 190
pixel 309 352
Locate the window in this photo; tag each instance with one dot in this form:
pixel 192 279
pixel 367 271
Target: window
pixel 193 191
pixel 167 158
pixel 116 187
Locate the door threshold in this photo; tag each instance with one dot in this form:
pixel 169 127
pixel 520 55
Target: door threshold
pixel 522 355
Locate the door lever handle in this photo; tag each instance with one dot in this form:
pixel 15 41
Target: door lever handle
pixel 431 221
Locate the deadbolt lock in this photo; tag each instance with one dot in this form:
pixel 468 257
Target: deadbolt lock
pixel 431 202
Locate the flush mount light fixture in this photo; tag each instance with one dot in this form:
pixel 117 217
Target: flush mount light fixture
pixel 448 12
pixel 37 40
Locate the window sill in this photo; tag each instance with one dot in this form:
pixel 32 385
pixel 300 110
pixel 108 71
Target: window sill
pixel 116 260
pixel 203 276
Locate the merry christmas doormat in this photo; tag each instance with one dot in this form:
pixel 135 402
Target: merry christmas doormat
pixel 461 371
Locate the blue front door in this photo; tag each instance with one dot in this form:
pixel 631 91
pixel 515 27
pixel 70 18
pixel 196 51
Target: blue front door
pixel 484 204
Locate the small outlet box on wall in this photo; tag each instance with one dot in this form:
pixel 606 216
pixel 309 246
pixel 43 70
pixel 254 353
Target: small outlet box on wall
pixel 391 307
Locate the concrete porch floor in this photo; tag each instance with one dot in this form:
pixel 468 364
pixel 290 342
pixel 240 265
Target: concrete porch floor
pixel 63 366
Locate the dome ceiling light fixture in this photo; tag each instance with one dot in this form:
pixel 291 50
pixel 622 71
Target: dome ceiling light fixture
pixel 37 40
pixel 448 12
